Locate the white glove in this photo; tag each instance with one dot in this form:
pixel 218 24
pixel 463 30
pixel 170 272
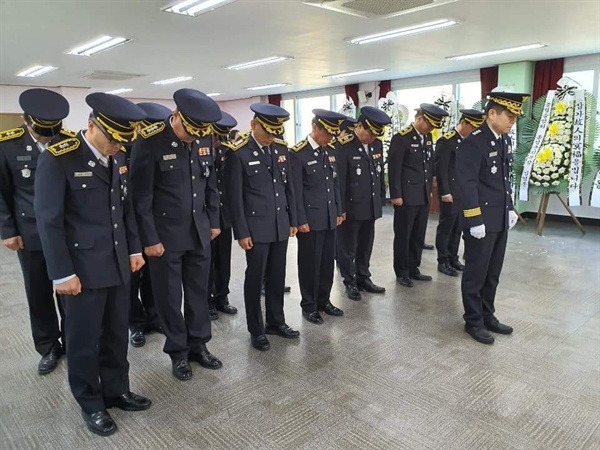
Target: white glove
pixel 512 219
pixel 478 232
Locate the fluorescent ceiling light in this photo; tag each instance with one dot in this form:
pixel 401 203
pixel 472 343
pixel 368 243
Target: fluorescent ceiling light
pixel 497 52
pixel 195 7
pixel 259 62
pixel 213 94
pixel 351 74
pixel 119 91
pixel 172 80
pixel 267 86
pixel 406 31
pixel 36 71
pixel 99 45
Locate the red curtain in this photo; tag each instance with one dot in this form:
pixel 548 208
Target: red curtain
pixel 489 79
pixel 275 99
pixel 385 86
pixel 352 92
pixel 545 76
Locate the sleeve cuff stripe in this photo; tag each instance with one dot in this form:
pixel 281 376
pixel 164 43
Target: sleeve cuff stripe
pixel 472 212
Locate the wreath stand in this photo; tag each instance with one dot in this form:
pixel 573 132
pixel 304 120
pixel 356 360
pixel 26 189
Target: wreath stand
pixel 541 215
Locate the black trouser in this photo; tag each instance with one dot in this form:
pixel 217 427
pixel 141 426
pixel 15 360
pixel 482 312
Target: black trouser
pixel 410 226
pixel 355 245
pixel 447 235
pixel 97 339
pixel 45 325
pixel 265 261
pixel 184 332
pixel 142 313
pixel 220 269
pixel 483 264
pixel 315 268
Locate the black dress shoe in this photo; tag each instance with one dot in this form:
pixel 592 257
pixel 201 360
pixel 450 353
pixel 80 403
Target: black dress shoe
pixel 352 292
pixel 260 342
pixel 182 370
pixel 313 317
pixel 206 359
pixel 213 314
pixel 369 286
pixel 456 265
pixel 405 281
pixel 227 309
pixel 447 270
pixel 100 422
pixel 129 402
pixel 428 247
pixel 420 277
pixel 480 334
pixel 332 310
pixel 284 331
pixel 287 289
pixel 49 362
pixel 137 339
pixel 498 327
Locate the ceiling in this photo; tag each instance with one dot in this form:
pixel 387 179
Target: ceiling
pixel 168 45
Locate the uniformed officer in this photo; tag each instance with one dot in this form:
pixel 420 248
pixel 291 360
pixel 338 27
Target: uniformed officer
pixel 20 148
pixel 447 239
pixel 263 212
pixel 410 176
pixel 177 207
pixel 90 240
pixel 319 210
pixel 220 268
pixel 359 157
pixel 483 165
pixel 347 127
pixel 143 317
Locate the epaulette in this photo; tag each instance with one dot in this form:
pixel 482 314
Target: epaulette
pixel 300 145
pixel 280 142
pixel 153 129
pixel 62 147
pixel 405 131
pixel 476 132
pixel 450 134
pixel 69 133
pixel 235 147
pixel 345 139
pixel 13 133
pixel 227 144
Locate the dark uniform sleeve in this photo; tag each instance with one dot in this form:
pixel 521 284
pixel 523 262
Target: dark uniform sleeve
pixel 234 179
pixel 296 165
pixel 291 197
pixel 443 150
pixel 49 207
pixel 342 168
pixel 8 227
pixel 468 165
pixel 395 159
pixel 213 200
pixel 133 238
pixel 142 183
pixel 337 192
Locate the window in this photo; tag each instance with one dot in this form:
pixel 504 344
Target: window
pixel 305 114
pixel 468 94
pixel 412 98
pixel 289 126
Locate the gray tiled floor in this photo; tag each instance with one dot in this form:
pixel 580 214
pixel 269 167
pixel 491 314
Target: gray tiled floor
pixel 397 372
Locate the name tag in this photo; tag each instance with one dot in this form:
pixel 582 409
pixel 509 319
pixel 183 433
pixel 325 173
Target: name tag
pixel 170 157
pixel 253 163
pixel 356 157
pixel 414 145
pixel 83 174
pixel 492 154
pixel 23 158
pixel 204 151
pixel 122 170
pixel 310 163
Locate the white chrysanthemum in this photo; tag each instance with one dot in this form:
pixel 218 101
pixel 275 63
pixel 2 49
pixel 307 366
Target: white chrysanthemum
pixel 545 184
pixel 554 176
pixel 546 171
pixel 555 183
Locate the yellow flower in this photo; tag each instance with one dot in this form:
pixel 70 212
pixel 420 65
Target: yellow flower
pixel 553 129
pixel 560 108
pixel 435 134
pixel 544 155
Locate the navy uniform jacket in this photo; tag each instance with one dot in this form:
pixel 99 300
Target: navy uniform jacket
pixel 221 155
pixel 410 167
pixel 18 163
pixel 361 178
pixel 316 186
pixel 174 189
pixel 483 178
pixel 84 215
pixel 445 167
pixel 260 191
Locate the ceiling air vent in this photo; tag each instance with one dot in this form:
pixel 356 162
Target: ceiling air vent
pixel 111 75
pixel 376 9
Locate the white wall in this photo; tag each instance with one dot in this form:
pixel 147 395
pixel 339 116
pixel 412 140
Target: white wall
pixel 240 110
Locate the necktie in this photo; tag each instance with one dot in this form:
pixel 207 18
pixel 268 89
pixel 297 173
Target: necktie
pixel 266 150
pixel 103 160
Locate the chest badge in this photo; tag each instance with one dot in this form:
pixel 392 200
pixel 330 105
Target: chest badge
pixel 379 169
pixel 91 164
pixel 25 173
pixel 494 169
pixel 29 148
pixel 174 144
pixel 493 143
pixel 358 171
pixel 255 153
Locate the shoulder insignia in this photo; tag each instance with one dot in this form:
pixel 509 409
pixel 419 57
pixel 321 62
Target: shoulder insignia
pixel 123 149
pixel 235 147
pixel 450 134
pixel 66 146
pixel 13 133
pixel 405 131
pixel 227 144
pixel 280 142
pixel 331 145
pixel 300 145
pixel 345 139
pixel 476 132
pixel 153 129
pixel 67 132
